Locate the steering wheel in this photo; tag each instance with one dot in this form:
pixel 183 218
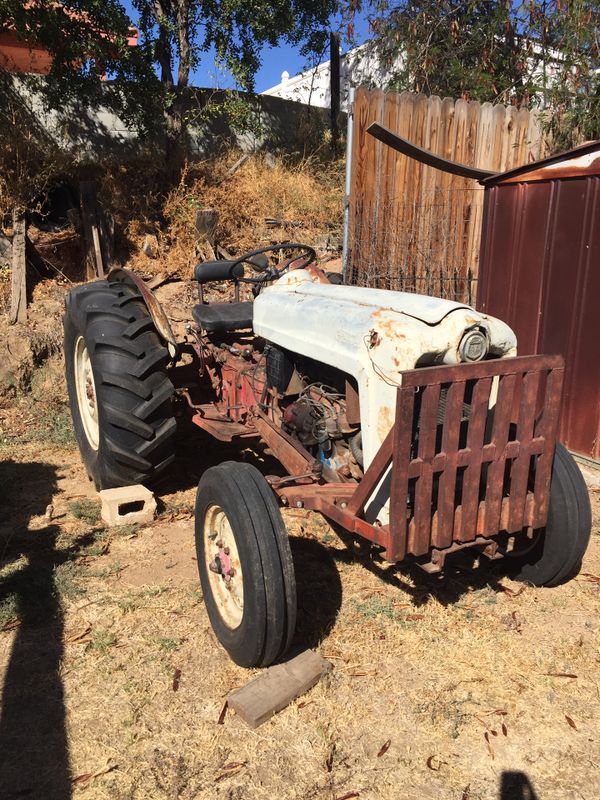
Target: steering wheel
pixel 268 273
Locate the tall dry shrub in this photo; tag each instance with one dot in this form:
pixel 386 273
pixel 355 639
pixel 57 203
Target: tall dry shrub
pixel 306 198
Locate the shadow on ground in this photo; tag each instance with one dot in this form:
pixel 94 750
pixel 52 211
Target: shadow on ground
pixel 34 753
pixel 516 786
pixel 197 451
pixel 319 590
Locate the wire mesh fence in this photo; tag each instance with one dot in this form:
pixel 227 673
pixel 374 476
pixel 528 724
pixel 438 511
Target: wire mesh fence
pixel 416 246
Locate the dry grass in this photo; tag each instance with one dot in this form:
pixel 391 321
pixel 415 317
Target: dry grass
pixel 465 677
pixel 307 194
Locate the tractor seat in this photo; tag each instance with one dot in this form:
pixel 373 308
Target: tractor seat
pixel 209 271
pixel 221 317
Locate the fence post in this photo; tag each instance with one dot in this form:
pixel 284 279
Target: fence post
pixel 334 84
pixel 18 278
pixel 347 185
pixel 94 266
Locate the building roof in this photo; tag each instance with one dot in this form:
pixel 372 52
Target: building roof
pixel 27 56
pixel 581 160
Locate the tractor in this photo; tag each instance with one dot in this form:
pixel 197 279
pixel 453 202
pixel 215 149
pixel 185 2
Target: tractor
pixel 408 421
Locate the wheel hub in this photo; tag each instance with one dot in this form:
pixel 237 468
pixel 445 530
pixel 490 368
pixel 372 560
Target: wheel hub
pixel 224 568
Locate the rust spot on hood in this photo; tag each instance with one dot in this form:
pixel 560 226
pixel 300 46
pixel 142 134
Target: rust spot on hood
pixel 374 339
pixel 384 422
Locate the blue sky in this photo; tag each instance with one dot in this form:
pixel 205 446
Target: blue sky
pixel 275 61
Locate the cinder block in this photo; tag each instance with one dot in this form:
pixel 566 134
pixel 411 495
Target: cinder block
pixel 127 504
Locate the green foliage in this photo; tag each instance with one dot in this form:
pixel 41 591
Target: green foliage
pixel 541 54
pixel 86 510
pixel 86 39
pixel 67 577
pixel 169 644
pixel 9 609
pixel 239 111
pixel 101 641
pixel 185 30
pixel 90 37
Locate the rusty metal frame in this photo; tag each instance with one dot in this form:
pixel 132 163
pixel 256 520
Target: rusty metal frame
pixel 391 139
pixel 455 480
pixel 495 492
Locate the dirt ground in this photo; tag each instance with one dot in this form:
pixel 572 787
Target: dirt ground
pixel 467 687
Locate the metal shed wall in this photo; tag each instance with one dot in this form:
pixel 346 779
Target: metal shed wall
pixel 540 272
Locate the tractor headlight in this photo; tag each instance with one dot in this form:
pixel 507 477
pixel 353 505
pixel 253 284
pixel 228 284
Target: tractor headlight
pixel 473 346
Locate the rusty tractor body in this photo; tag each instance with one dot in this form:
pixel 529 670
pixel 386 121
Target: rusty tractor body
pixel 408 421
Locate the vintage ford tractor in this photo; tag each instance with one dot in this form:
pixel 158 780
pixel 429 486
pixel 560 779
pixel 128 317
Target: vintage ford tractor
pixel 407 421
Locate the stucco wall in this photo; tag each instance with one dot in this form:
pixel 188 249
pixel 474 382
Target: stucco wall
pixel 286 125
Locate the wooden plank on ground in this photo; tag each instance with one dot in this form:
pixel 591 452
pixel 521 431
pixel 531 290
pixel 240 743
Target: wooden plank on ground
pixel 18 278
pixel 276 687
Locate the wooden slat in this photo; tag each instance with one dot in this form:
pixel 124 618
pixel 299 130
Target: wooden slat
pixel 472 474
pixel 547 428
pixel 373 475
pixel 447 482
pixel 399 481
pixel 479 369
pixel 495 475
pixel 519 473
pixel 374 201
pixel 419 543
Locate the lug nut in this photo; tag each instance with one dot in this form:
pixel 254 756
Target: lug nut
pixel 231 572
pixel 219 544
pixel 226 551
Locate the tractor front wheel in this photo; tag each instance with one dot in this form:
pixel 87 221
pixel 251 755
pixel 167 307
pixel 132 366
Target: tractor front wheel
pixel 245 564
pixel 555 552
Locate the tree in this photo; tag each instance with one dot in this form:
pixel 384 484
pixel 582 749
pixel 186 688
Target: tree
pixel 544 54
pixel 86 39
pixel 181 32
pixel 148 82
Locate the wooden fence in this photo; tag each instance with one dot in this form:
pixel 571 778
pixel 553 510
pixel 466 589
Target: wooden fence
pixel 415 228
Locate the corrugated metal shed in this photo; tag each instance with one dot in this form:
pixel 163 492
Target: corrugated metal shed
pixel 539 271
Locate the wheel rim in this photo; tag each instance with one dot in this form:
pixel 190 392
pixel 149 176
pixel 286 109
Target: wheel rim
pixel 223 566
pixel 86 393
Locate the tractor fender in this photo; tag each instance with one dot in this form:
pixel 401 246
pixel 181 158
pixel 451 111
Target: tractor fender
pixel 156 311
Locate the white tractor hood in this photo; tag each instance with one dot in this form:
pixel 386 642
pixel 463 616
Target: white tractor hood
pixel 373 335
pixel 430 310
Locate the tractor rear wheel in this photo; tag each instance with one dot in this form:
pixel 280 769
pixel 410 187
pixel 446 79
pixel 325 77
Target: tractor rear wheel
pixel 556 551
pixel 245 564
pixel 119 392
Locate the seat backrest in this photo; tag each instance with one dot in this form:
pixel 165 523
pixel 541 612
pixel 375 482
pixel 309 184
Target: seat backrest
pixel 209 271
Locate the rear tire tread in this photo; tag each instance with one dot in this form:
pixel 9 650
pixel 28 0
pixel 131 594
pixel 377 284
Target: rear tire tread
pixel 137 427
